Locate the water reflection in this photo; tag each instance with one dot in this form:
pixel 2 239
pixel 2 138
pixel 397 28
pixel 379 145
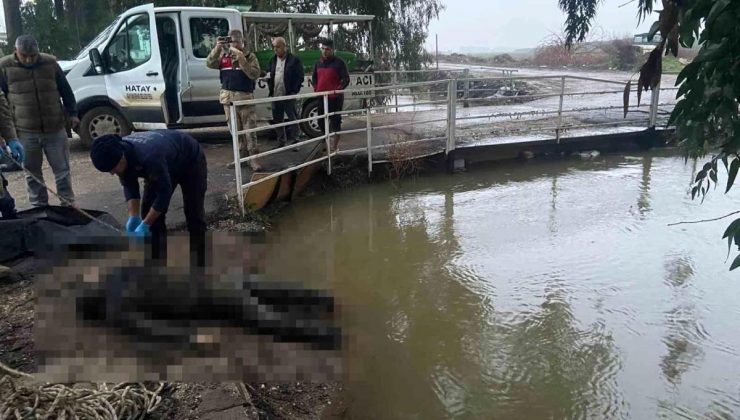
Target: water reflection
pixel 553 368
pixel 683 339
pixel 643 202
pixel 517 292
pixel 426 330
pixel 553 221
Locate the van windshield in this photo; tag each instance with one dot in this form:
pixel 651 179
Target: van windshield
pixel 102 36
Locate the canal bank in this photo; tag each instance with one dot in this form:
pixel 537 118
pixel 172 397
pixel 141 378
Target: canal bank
pixel 401 162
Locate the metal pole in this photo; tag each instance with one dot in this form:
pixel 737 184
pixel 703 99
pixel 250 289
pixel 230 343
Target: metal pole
pixel 331 30
pixel 291 35
pixel 451 115
pixel 560 110
pixel 326 132
pixel 654 106
pixel 466 87
pixel 256 41
pixel 233 126
pixel 395 91
pixel 370 219
pixel 372 45
pixel 436 49
pixel 369 131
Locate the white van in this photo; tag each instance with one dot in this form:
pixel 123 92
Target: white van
pixel 147 69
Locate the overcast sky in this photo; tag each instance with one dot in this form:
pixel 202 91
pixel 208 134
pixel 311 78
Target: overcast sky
pixel 511 24
pixel 503 24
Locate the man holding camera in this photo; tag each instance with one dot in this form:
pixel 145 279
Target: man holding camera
pixel 239 71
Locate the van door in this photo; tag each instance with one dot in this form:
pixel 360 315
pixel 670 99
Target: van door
pixel 200 30
pixel 170 49
pixel 134 77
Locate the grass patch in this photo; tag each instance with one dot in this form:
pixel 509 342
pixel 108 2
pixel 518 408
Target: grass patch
pixel 672 65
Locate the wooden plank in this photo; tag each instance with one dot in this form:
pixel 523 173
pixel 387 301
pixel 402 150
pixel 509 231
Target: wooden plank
pixel 285 187
pixel 303 176
pixel 257 196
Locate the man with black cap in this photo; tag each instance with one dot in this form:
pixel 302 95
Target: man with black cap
pixel 330 73
pixel 165 159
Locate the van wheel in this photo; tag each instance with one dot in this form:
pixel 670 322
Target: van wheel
pixel 100 121
pixel 313 128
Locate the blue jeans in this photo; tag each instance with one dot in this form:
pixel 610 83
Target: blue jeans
pixel 7 203
pixel 56 149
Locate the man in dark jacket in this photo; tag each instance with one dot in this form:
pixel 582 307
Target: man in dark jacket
pixel 165 159
pixel 330 73
pixel 286 78
pixel 42 103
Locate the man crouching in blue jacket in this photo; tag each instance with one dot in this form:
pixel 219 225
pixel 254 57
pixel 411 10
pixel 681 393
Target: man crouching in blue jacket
pixel 165 159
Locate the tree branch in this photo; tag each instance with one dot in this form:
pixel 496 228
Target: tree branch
pixel 705 221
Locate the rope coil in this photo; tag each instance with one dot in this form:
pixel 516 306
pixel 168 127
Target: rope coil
pixel 122 401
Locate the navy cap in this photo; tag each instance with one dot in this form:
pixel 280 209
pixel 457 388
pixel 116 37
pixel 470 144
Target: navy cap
pixel 106 152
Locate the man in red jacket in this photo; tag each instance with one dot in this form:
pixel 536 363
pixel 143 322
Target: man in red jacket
pixel 330 73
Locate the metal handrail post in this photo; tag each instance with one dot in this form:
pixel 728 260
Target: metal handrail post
pixel 451 115
pixel 291 36
pixel 560 109
pixel 466 87
pixel 395 91
pixel 234 127
pixel 654 107
pixel 326 131
pixel 369 132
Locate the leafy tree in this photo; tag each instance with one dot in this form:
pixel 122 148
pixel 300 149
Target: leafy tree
pixel 51 31
pixel 13 22
pixel 707 113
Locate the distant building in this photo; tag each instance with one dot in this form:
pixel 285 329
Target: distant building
pixel 642 41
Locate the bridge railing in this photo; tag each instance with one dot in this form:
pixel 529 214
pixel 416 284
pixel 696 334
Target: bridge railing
pixel 560 104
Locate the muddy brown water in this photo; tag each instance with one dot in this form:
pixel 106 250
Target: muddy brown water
pixel 538 290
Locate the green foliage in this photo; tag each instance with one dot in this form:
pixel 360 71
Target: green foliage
pixel 707 115
pixel 399 30
pixel 579 15
pixel 672 65
pixel 53 35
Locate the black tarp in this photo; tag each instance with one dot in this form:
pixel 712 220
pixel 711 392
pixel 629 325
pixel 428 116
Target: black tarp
pixel 45 229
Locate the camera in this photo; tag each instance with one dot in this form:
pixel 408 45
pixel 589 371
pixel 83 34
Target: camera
pixel 224 39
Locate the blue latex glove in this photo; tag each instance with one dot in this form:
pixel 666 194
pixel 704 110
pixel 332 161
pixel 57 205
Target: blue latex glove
pixel 132 223
pixel 16 149
pixel 141 231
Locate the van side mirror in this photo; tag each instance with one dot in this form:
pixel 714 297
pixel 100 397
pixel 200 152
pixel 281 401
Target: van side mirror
pixel 97 61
